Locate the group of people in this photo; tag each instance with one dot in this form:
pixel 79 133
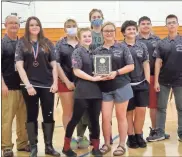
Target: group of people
pixel 144 70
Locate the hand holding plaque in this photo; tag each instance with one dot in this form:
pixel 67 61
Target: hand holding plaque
pixel 102 65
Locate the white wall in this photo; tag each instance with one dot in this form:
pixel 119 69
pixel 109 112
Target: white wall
pixel 53 13
pixel 24 11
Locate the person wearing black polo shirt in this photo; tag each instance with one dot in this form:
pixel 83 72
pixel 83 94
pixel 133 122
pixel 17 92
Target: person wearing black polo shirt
pixel 140 79
pixel 150 40
pixel 116 90
pixel 12 99
pixel 96 18
pixel 168 75
pixel 64 49
pixel 87 93
pixel 36 63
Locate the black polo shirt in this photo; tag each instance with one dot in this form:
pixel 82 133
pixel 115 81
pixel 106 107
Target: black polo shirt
pixel 120 57
pixel 151 44
pixel 170 51
pixel 10 75
pixel 83 59
pixel 140 54
pixel 64 52
pixel 41 75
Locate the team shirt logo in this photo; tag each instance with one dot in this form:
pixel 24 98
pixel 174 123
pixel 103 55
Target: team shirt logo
pixel 74 61
pixel 154 43
pixel 117 53
pixel 179 48
pixel 139 53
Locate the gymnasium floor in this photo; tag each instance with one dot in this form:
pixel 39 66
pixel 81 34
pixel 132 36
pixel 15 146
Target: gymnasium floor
pixel 171 147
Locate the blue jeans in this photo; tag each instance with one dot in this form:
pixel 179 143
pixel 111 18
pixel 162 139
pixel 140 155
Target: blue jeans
pixel 163 96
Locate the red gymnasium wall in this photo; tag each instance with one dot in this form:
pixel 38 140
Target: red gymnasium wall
pixel 54 34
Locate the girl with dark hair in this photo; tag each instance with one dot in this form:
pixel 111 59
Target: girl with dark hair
pixel 96 18
pixel 36 64
pixel 140 79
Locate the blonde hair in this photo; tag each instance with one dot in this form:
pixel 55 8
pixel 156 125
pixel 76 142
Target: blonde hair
pixel 95 10
pixel 81 30
pixel 70 20
pixel 106 24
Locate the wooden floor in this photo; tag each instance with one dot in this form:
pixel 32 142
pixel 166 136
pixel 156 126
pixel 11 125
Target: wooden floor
pixel 171 147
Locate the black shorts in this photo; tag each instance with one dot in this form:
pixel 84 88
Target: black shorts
pixel 140 99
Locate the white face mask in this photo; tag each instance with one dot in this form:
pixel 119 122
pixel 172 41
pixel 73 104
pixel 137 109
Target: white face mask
pixel 71 31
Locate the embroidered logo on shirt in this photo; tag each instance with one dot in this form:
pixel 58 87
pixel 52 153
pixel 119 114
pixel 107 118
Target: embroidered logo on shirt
pixel 139 53
pixel 117 53
pixel 154 43
pixel 179 48
pixel 74 61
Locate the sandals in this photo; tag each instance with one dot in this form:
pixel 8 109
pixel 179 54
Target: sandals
pixel 105 149
pixel 119 151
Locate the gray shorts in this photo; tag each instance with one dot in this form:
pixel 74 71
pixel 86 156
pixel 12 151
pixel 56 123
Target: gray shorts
pixel 119 95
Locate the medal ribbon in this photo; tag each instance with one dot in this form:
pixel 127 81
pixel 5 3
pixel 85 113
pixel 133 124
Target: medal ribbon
pixel 35 53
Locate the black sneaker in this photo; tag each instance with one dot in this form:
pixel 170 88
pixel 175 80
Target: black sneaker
pixel 69 153
pixel 131 142
pixel 96 153
pixel 140 141
pixel 8 153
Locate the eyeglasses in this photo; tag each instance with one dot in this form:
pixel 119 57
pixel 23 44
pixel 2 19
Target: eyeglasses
pixel 172 22
pixel 108 31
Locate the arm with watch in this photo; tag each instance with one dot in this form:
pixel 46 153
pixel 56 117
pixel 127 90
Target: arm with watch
pixel 126 69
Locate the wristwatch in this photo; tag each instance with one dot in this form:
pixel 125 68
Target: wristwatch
pixel 117 72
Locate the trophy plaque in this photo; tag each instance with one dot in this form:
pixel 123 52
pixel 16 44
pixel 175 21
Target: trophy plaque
pixel 102 64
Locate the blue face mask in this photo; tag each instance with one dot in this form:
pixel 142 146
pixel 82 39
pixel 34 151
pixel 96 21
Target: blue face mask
pixel 71 31
pixel 97 22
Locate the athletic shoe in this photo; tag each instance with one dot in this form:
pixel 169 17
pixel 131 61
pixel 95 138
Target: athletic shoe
pixel 158 136
pixel 140 141
pixel 69 153
pixel 152 133
pixel 74 144
pixel 96 153
pixel 131 142
pixel 83 142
